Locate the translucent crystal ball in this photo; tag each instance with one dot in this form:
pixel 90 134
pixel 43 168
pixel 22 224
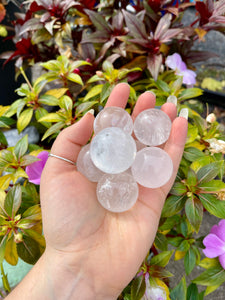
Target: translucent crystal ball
pixel 152 167
pixel 152 127
pixel 85 165
pixel 117 192
pixel 113 117
pixel 112 150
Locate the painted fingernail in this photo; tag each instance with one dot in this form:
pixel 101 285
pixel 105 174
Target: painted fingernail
pixel 151 93
pixel 172 99
pixel 91 111
pixel 184 113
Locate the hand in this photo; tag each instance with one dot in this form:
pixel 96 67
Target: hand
pixel 91 252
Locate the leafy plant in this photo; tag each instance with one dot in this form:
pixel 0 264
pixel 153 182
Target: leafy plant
pixel 84 48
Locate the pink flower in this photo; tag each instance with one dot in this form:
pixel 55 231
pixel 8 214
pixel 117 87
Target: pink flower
pixel 175 63
pixel 215 243
pixel 35 169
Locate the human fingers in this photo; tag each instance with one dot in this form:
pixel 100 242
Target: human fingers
pixel 175 147
pixel 69 142
pixel 119 95
pixel 145 101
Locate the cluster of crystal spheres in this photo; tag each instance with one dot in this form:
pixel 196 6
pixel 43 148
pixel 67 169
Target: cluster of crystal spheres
pixel 118 161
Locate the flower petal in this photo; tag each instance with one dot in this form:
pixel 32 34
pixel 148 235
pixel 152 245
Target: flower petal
pixel 214 246
pixel 174 61
pixel 222 260
pixel 188 77
pixel 219 230
pixel 34 170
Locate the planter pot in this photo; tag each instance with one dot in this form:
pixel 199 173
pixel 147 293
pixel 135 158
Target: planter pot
pixel 211 97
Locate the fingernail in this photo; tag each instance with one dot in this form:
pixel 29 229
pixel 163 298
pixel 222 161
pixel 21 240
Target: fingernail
pixel 151 93
pixel 172 99
pixel 184 113
pixel 91 111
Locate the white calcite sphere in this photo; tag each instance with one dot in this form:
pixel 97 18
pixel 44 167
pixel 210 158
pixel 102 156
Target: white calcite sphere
pixel 118 192
pixel 152 127
pixel 85 165
pixel 113 116
pixel 112 150
pixel 152 167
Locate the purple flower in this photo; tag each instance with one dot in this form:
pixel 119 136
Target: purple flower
pixel 215 243
pixel 175 63
pixel 35 169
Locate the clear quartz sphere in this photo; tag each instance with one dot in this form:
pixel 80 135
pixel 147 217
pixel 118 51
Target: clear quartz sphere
pixel 113 116
pixel 152 167
pixel 117 192
pixel 112 150
pixel 152 127
pixel 85 165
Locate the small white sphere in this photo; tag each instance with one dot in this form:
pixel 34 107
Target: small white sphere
pixel 112 150
pixel 118 192
pixel 85 165
pixel 113 116
pixel 152 167
pixel 152 127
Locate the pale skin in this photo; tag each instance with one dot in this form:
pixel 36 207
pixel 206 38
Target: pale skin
pixel 92 253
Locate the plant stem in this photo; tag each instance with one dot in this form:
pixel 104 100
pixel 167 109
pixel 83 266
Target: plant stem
pixel 27 80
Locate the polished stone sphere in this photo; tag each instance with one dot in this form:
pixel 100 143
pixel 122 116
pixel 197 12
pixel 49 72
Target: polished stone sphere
pixel 118 192
pixel 112 150
pixel 152 167
pixel 152 127
pixel 85 165
pixel 113 116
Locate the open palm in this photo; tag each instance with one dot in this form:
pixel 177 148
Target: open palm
pixel 110 247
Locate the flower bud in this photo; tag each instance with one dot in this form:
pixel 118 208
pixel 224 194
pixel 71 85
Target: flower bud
pixel 211 118
pixel 18 237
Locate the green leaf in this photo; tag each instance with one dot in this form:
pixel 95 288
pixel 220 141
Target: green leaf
pixel 21 147
pixel 210 171
pixel 84 107
pixel 36 237
pixel 176 85
pixel 213 276
pixel 13 201
pixel 3 241
pixel 24 119
pixel 163 86
pixel 48 100
pixel 138 287
pixel 6 122
pixel 208 263
pixel 212 186
pixel 189 261
pixel 213 205
pixel 75 78
pixel 180 291
pixel 11 255
pixel 184 246
pixel 162 259
pixel 52 117
pixel 53 129
pixel 161 241
pixel 192 153
pixel 192 178
pixel 27 160
pixel 178 189
pixel 3 139
pixel 96 90
pixel 211 289
pixel 192 292
pixel 66 103
pixel 173 205
pixel 190 93
pixel 33 213
pixel 28 250
pixel 194 212
pixel 41 112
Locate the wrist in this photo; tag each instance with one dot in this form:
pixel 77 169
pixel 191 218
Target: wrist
pixel 70 277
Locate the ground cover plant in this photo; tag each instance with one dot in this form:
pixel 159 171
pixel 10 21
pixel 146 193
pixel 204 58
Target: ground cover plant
pixel 83 49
